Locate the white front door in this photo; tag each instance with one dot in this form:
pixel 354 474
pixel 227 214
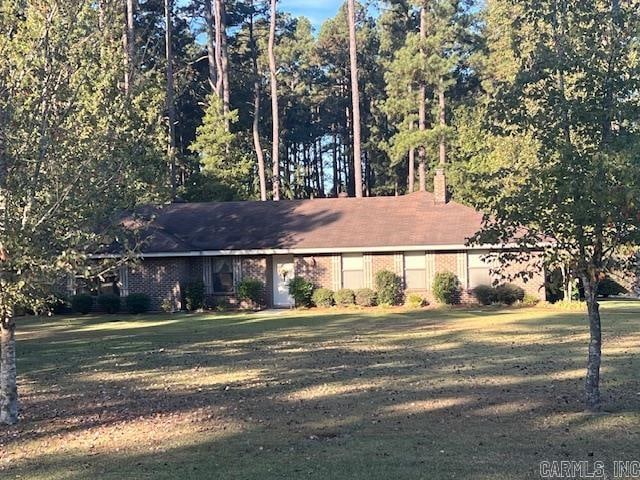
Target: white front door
pixel 283 271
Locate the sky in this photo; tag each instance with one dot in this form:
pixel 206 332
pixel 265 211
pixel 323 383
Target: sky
pixel 315 10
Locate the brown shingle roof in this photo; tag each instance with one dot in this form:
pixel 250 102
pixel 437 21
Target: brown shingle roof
pixel 332 223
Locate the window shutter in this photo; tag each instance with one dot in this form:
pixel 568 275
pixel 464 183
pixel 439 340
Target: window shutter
pixel 206 275
pixel 123 280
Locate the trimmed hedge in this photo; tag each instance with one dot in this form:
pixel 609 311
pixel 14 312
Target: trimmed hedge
pixel 485 294
pixel 509 294
pixel 138 303
pixel 446 288
pixel 388 288
pixel 301 290
pixel 322 297
pixel 193 293
pixel 344 297
pixel 251 290
pixel 609 287
pixel 82 303
pixel 109 303
pixel 365 297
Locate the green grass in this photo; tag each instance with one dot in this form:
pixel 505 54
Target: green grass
pixel 431 394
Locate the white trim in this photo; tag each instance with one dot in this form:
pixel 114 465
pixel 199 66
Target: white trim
pixel 318 251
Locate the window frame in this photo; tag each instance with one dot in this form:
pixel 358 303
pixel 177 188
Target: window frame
pixel 422 255
pixel 215 273
pixel 352 270
pixel 474 258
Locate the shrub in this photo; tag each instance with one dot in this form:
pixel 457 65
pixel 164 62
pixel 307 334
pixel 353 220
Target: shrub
pixel 167 305
pixel 301 290
pixel 446 288
pixel 193 293
pixel 251 290
pixel 388 288
pixel 344 296
pixel 138 303
pixel 109 303
pixel 608 287
pixel 322 297
pixel 529 300
pixel 509 294
pixel 485 294
pixel 365 297
pixel 82 303
pixel 59 306
pixel 415 300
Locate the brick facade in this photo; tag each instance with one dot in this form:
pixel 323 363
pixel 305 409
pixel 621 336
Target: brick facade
pixel 318 269
pixel 161 278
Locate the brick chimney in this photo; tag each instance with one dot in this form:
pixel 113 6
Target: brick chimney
pixel 440 186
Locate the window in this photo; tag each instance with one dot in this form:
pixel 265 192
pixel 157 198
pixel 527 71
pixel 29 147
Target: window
pixel 222 275
pixel 479 268
pixel 415 270
pixel 352 271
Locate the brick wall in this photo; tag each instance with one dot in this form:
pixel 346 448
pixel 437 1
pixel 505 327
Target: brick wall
pixel 317 269
pixel 382 261
pixel 160 278
pixel 254 267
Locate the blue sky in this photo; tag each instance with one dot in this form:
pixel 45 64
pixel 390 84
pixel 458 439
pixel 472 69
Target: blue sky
pixel 315 10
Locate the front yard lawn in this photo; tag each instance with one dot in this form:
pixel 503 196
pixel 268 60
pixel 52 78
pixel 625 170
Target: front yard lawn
pixel 432 394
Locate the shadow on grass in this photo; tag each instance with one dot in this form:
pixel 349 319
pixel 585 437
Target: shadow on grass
pixel 428 394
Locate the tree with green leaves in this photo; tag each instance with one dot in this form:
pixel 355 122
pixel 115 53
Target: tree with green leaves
pixel 67 155
pixel 556 159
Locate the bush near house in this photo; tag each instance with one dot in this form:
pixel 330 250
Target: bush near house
pixel 415 300
pixel 251 290
pixel 485 294
pixel 388 288
pixel 322 297
pixel 193 294
pixel 609 287
pixel 509 294
pixel 506 294
pixel 82 303
pixel 344 297
pixel 138 303
pixel 109 303
pixel 365 297
pixel 446 288
pixel 301 290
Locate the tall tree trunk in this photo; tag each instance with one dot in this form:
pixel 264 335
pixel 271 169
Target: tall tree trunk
pixel 217 18
pixel 256 112
pixel 8 384
pixel 221 32
pixel 443 123
pixel 171 110
pixel 129 40
pixel 209 16
pixel 355 100
pixel 592 381
pixel 412 163
pixel 421 106
pixel 275 157
pixel 335 166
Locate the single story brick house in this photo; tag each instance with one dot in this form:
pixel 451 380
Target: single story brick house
pixel 334 242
